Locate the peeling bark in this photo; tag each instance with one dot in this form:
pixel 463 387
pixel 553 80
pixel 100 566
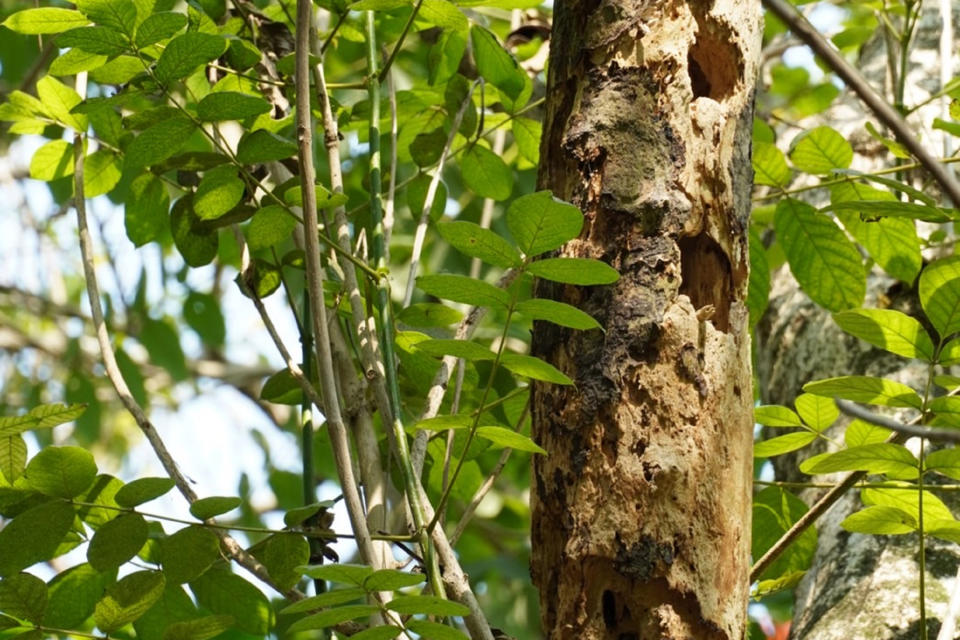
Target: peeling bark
pixel 641 510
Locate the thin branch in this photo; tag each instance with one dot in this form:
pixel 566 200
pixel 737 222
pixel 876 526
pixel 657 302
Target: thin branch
pixel 390 201
pixel 232 547
pixel 396 48
pixel 909 430
pixel 884 112
pixel 318 310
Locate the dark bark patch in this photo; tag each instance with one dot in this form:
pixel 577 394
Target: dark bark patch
pixel 643 559
pixel 608 603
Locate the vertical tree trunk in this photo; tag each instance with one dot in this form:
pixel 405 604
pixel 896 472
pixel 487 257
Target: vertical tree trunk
pixel 641 510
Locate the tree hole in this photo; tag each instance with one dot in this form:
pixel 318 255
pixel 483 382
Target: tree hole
pixel 713 62
pixel 706 278
pixel 608 604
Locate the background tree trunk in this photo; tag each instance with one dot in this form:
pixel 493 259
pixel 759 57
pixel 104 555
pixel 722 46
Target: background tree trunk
pixel 641 510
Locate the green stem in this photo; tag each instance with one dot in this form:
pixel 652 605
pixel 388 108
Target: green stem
pixel 385 317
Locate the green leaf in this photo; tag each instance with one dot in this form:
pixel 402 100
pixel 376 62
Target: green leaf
pixel 429 314
pixel 880 520
pixel 860 433
pixel 442 423
pixel 774 415
pixel 197 245
pixel 24 596
pixel 186 52
pixel 128 599
pixel 333 616
pixel 202 313
pixel 384 632
pixel 466 349
pixel 119 14
pixel 533 367
pixel 463 289
pixel 282 554
pixel 159 26
pixel 142 490
pixel 507 438
pixel 42 417
pixel 270 225
pixel 944 461
pixel 559 313
pixel 783 444
pixel 527 133
pixel 61 472
pixel 101 173
pixel 230 105
pixel 882 457
pixel 72 596
pixel 539 222
pixel 821 150
pixel 580 271
pixel 101 40
pixel 188 553
pixel 825 263
pixel 477 242
pixel 497 67
pixel 117 541
pixel 429 605
pixel 326 599
pixel 101 507
pixel 198 629
pixel 817 412
pixel 325 199
pixel 894 208
pixel 867 390
pixel 52 161
pixel 172 607
pixel 774 513
pixel 443 14
pixel 75 61
pixel 888 329
pixel 163 344
pixel 417 196
pixel 58 100
pixel 391 580
pixel 758 287
pixel 45 20
pixel 769 166
pixel 205 508
pixel 353 574
pixel 159 142
pixel 946 410
pixel 145 211
pixel 486 174
pixel 939 290
pixel 435 630
pixel 13 457
pixel 263 146
pixel 219 191
pixel 907 499
pixel 229 594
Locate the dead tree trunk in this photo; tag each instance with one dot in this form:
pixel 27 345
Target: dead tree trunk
pixel 641 510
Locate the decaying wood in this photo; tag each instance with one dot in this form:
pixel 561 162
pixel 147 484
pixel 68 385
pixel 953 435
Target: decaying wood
pixel 641 510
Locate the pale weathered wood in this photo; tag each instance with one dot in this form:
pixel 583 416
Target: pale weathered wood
pixel 641 510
